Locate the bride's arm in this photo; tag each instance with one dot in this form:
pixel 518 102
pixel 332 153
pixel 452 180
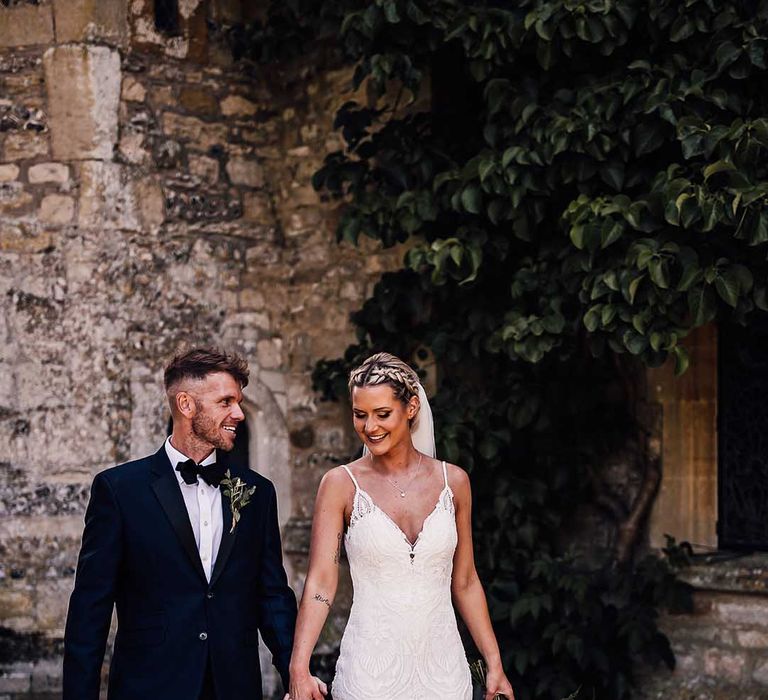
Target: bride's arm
pixel 468 592
pixel 322 579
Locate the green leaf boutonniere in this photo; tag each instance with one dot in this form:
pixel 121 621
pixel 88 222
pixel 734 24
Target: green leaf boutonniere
pixel 239 496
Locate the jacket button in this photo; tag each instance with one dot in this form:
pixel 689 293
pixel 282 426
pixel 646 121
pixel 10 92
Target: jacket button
pixel 203 636
pixel 209 594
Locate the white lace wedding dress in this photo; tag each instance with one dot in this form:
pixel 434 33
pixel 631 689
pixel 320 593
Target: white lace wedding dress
pixel 401 641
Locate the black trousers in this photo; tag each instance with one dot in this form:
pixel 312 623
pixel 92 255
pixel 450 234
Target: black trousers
pixel 208 692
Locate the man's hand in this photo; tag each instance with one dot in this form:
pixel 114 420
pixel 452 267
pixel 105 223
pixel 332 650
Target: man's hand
pixel 306 688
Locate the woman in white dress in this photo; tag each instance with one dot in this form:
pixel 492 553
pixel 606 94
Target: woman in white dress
pixel 405 519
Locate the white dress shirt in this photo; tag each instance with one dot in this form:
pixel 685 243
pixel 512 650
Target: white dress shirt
pixel 203 504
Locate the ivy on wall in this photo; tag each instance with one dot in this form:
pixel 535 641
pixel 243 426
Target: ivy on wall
pixel 585 182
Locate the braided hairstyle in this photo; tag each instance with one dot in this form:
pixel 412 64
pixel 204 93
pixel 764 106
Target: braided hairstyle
pixel 384 368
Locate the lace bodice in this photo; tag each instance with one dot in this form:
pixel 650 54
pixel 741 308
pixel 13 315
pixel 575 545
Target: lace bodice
pixel 401 641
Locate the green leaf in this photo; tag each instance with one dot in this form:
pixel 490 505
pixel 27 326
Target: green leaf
pixel 726 54
pixel 496 210
pixel 647 138
pixel 658 272
pixel 692 274
pixel 390 11
pixel 471 199
pixel 721 166
pixel 612 175
pixel 702 304
pixel 633 287
pixel 577 236
pixel 608 314
pixel 635 343
pixel 727 286
pixel 759 229
pixel 593 317
pixel 611 232
pixel 681 359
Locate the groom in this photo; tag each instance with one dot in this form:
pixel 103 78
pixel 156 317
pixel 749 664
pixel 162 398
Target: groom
pixel 192 589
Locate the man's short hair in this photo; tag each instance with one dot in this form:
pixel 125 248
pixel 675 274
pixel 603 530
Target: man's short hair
pixel 198 363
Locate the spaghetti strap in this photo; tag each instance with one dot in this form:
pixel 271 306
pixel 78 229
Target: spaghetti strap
pixel 351 476
pixel 445 474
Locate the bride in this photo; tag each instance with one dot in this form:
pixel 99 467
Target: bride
pixel 405 519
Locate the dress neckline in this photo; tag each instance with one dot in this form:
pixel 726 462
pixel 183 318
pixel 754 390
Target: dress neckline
pixel 391 520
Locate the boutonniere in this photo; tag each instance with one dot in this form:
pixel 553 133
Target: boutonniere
pixel 239 495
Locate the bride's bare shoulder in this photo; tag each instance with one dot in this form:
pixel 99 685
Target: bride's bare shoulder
pixel 337 479
pixel 458 480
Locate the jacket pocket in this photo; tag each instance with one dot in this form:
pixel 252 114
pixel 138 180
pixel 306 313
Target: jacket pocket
pixel 143 631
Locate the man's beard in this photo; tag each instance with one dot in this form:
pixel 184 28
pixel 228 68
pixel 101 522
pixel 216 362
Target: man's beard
pixel 204 428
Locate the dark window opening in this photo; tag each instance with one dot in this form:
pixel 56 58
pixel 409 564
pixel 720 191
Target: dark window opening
pixel 167 17
pixel 743 435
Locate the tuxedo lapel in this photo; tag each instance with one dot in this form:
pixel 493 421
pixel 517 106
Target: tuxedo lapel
pixel 166 488
pixel 227 537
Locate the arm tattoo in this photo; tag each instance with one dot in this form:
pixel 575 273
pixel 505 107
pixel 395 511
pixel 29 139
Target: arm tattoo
pixel 322 599
pixel 337 553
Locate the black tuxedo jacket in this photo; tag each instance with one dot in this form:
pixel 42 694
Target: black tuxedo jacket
pixel 139 554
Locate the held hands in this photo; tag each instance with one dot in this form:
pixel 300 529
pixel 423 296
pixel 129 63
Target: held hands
pixel 306 687
pixel 496 684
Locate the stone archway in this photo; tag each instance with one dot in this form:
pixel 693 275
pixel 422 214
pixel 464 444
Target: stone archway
pixel 268 444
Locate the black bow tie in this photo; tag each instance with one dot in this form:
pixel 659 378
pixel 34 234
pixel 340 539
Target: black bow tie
pixel 212 473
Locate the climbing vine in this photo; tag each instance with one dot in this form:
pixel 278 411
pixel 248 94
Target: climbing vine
pixel 580 183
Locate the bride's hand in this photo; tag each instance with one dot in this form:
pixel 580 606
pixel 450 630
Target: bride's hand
pixel 306 687
pixel 496 683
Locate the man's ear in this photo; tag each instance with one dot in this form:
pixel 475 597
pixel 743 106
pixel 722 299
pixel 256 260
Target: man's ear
pixel 185 404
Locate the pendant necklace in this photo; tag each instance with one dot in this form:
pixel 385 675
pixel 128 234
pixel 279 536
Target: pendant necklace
pixel 404 491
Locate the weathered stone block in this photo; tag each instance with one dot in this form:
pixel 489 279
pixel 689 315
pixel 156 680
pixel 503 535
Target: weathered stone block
pixel 83 84
pixel 15 682
pixel 270 353
pixel 752 639
pixel 245 171
pixel 9 172
pixel 26 24
pixel 236 106
pixel 752 611
pixel 13 197
pixel 90 20
pixel 56 209
pixel 205 168
pixel 257 206
pixel 48 172
pixel 24 145
pixel 724 664
pixel 198 133
pixel 19 239
pixel 251 300
pixel 151 201
pixel 106 198
pixel 199 101
pixel 132 148
pixel 760 674
pixel 132 90
pixel 46 676
pixel 16 603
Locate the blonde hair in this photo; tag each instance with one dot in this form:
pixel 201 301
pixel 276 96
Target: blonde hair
pixel 385 368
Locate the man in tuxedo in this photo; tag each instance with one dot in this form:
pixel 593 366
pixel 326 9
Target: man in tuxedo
pixel 191 592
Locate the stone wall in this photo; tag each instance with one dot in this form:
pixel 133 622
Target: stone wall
pixel 721 646
pixel 151 196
